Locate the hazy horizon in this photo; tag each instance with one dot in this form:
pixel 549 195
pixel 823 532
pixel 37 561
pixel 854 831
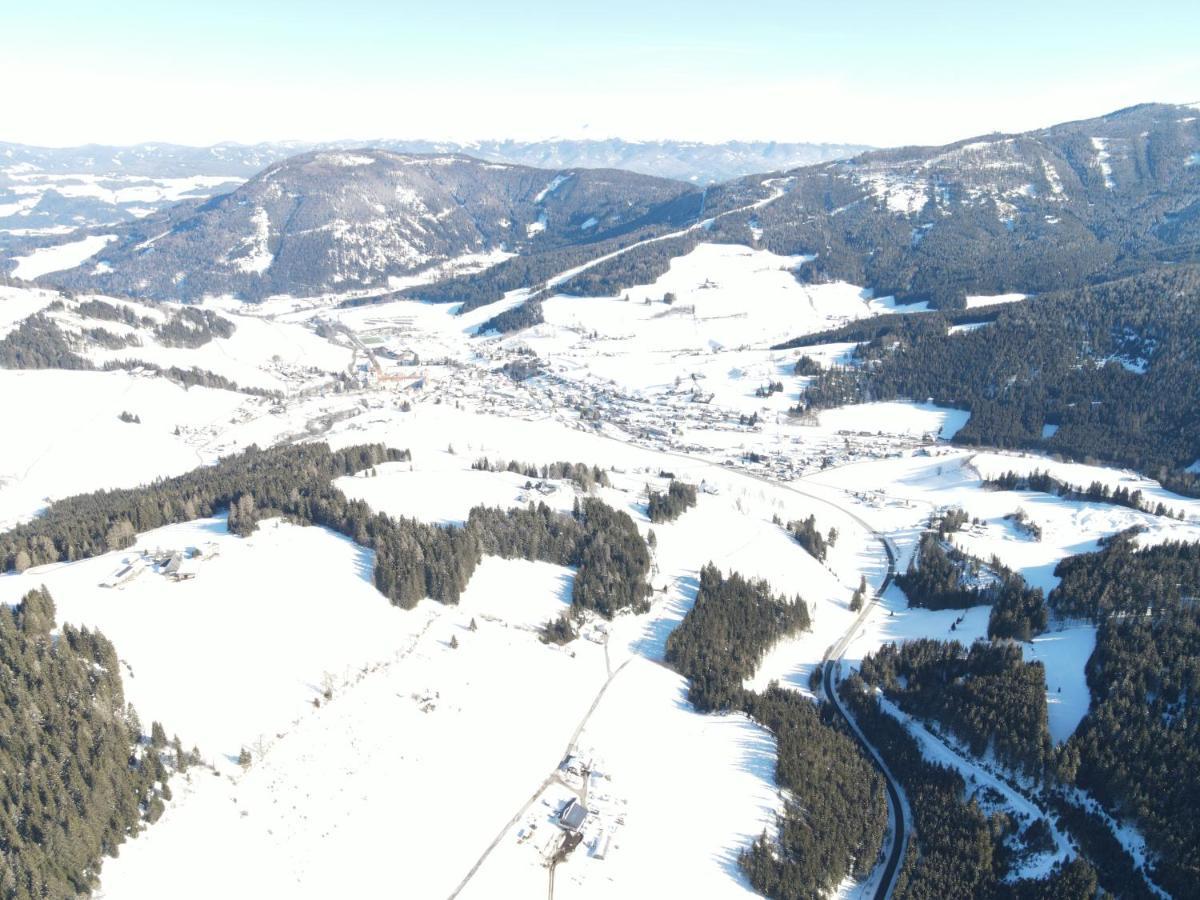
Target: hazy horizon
pixel 885 76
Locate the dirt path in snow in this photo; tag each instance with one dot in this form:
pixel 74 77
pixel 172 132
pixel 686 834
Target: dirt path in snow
pixel 549 779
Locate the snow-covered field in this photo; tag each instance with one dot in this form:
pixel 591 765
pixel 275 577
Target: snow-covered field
pixel 61 256
pixel 65 436
pixel 427 759
pixel 17 304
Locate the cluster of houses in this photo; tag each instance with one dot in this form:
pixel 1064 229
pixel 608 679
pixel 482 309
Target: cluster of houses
pixel 176 565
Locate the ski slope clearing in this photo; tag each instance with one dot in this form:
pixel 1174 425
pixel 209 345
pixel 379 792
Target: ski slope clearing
pixel 994 299
pixel 1064 653
pixel 897 418
pixel 725 295
pixel 62 256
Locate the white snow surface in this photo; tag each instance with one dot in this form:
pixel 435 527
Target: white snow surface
pixel 555 183
pixel 726 296
pixel 63 256
pixel 993 299
pixel 17 304
pixel 426 755
pixel 1064 653
pixel 84 446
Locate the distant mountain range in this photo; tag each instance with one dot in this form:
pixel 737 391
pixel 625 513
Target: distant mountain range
pixel 684 160
pixel 1047 209
pixel 45 190
pixel 342 220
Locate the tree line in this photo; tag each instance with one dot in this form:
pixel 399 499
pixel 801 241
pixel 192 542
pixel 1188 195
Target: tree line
pixel 835 816
pixel 413 559
pixel 585 477
pixel 1096 492
pixel 77 776
pixel 1114 366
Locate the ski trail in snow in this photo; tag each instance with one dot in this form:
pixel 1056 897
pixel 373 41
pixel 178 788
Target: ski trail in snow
pixel 702 224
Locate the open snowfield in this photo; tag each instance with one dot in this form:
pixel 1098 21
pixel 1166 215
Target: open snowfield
pixel 672 829
pixel 260 353
pixel 898 495
pixel 240 651
pixel 17 304
pixel 62 256
pixel 73 441
pixel 726 296
pixel 1064 653
pixel 897 418
pixel 412 766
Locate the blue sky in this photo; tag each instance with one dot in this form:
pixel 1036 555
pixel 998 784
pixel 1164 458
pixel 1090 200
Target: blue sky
pixel 869 72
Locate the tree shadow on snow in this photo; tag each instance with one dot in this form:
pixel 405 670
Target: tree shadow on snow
pixel 653 642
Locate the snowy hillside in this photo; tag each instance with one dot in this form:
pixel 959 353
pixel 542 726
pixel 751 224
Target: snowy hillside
pixel 520 739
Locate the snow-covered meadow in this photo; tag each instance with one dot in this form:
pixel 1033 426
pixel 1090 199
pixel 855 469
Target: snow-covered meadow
pixel 377 746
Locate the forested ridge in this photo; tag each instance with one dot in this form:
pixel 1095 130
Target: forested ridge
pixel 412 559
pixel 955 850
pixel 39 343
pixel 986 695
pixel 1138 748
pixel 833 824
pixel 726 634
pixel 1115 366
pixel 834 821
pixel 76 776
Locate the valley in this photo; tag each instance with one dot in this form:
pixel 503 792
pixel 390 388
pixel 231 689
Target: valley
pixel 588 681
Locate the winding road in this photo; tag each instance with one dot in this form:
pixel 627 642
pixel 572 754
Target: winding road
pixel 832 663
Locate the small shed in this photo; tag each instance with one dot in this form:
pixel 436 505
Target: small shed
pixel 600 845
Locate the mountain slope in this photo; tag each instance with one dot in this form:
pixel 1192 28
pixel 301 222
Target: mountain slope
pixel 1047 209
pixel 326 221
pixel 44 189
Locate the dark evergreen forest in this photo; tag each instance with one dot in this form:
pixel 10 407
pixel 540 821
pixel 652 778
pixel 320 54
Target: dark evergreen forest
pixel 1115 366
pixel 77 777
pixel 834 823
